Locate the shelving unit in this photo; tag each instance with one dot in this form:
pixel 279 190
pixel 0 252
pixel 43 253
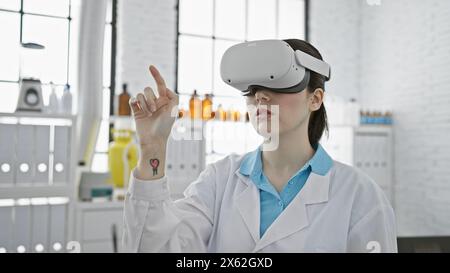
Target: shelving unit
pixel 37 167
pixel 97 227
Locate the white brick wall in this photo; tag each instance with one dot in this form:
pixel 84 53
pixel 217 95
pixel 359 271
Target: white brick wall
pixel 334 31
pixel 405 66
pixel 146 35
pixel 395 56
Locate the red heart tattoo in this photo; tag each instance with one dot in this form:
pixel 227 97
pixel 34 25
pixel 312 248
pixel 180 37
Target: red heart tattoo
pixel 154 163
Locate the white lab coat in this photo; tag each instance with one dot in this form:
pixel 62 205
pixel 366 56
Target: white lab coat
pixel 342 211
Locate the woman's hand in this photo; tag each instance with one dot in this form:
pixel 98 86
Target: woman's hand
pixel 154 117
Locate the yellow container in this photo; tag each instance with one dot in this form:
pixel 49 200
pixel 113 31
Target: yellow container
pixel 122 157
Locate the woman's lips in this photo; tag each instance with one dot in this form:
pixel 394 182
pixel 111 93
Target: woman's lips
pixel 263 113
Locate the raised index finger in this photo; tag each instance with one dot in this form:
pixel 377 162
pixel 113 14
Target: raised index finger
pixel 160 83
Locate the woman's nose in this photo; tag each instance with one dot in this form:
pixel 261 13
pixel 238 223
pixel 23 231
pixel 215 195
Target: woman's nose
pixel 262 96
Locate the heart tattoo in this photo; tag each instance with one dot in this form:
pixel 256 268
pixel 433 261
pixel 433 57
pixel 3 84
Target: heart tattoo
pixel 154 162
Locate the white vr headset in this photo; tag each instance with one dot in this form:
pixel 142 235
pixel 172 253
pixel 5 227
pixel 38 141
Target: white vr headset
pixel 269 64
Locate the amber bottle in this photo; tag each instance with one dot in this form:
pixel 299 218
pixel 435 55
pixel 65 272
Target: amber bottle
pixel 124 97
pixel 195 106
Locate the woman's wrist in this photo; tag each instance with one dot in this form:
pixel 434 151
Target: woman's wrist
pixel 152 161
pixel 150 142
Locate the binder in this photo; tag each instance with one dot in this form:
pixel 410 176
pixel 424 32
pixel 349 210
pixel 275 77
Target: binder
pixel 22 227
pixel 40 219
pixel 24 151
pixel 6 226
pixel 7 154
pixel 57 226
pixel 41 155
pixel 61 155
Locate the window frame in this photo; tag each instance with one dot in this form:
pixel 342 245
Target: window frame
pixel 213 37
pixel 112 83
pixel 68 18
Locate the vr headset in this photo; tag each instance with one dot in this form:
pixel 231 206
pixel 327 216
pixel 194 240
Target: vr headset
pixel 269 64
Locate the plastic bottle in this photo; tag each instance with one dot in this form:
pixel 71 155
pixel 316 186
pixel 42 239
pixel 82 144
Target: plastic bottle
pixel 378 117
pixel 370 117
pixel 122 153
pixel 388 117
pixel 53 105
pixel 66 101
pixel 363 118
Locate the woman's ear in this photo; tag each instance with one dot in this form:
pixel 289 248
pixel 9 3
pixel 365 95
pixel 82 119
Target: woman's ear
pixel 316 99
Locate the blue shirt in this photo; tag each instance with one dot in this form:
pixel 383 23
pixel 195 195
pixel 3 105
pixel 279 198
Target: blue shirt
pixel 273 203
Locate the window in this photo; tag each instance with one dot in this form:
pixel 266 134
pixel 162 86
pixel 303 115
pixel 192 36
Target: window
pixel 100 159
pixel 206 28
pixel 31 21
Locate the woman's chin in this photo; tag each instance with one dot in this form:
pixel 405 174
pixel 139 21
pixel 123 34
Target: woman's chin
pixel 264 128
pixel 265 131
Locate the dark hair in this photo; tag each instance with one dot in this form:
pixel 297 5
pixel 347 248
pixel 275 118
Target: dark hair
pixel 318 122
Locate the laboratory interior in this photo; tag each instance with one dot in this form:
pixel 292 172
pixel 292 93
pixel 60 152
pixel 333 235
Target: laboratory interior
pixel 68 69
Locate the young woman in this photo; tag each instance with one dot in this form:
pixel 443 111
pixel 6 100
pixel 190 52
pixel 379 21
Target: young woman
pixel 294 198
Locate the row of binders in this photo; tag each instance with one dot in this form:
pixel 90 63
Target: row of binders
pixel 34 154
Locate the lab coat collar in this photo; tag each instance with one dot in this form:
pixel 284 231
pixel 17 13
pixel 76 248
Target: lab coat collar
pixel 292 219
pixel 320 163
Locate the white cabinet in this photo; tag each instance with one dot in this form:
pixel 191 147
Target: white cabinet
pixel 99 226
pixel 368 148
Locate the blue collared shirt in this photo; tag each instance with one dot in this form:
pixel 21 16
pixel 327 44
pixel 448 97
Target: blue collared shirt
pixel 273 203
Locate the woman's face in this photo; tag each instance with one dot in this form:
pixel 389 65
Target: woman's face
pixel 270 112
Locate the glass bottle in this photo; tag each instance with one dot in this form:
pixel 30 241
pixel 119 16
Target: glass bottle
pixel 221 114
pixel 53 105
pixel 124 107
pixel 236 115
pixel 207 107
pixel 195 106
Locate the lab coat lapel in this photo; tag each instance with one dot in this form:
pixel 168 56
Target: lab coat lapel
pixel 294 217
pixel 247 203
